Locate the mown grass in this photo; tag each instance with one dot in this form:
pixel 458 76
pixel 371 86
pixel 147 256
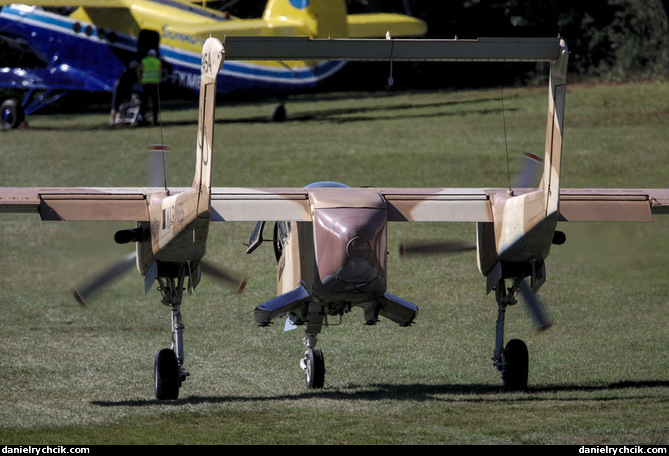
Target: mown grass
pixel 599 376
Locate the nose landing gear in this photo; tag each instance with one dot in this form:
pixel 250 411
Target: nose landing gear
pixel 313 364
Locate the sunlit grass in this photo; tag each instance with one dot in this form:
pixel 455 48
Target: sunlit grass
pixel 599 376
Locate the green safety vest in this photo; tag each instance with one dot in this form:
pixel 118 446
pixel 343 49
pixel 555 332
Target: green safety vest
pixel 151 72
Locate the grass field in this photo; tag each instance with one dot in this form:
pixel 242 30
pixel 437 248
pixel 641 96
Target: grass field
pixel 600 376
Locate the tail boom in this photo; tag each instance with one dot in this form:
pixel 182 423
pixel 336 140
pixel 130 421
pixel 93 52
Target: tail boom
pixel 524 222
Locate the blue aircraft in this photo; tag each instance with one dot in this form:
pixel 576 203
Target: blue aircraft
pixel 64 46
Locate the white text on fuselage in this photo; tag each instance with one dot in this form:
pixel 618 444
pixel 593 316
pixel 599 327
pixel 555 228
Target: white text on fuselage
pixel 185 79
pixel 181 37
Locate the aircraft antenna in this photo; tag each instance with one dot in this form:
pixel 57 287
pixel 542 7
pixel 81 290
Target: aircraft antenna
pixel 506 146
pixel 160 123
pixel 392 45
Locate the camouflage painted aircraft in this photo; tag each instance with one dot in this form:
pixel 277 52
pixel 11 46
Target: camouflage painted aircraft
pixel 330 240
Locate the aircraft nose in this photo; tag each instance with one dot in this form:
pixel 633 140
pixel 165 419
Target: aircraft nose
pixel 343 236
pixel 359 248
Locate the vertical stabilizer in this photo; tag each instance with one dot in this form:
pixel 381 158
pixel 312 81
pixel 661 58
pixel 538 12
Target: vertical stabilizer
pixel 212 60
pixel 554 130
pixel 322 18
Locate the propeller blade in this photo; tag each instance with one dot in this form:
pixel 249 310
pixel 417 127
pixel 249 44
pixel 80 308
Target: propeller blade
pixel 535 306
pixel 224 276
pixel 104 279
pixel 428 248
pixel 157 165
pixel 529 172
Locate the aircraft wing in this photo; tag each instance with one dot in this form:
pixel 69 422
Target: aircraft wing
pixel 359 26
pixel 612 205
pixel 293 204
pixel 84 3
pixel 377 24
pixel 61 77
pixel 404 204
pixel 259 204
pixel 576 205
pixel 440 204
pixel 95 204
pixel 247 27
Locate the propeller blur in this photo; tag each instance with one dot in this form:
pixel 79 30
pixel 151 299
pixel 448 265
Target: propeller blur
pixel 330 240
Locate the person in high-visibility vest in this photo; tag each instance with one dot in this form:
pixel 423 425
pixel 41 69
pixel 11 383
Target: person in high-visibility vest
pixel 150 72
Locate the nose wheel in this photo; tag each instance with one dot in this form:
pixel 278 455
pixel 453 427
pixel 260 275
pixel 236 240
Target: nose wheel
pixel 166 375
pixel 313 366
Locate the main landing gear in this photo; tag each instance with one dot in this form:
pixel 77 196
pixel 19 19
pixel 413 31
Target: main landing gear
pixel 512 360
pixel 12 114
pixel 168 373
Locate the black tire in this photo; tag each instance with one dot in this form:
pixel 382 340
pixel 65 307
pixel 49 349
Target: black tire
pixel 315 371
pixel 12 114
pixel 516 362
pixel 166 379
pixel 278 114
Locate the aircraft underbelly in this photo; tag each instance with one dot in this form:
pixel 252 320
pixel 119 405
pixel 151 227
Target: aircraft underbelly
pixel 355 282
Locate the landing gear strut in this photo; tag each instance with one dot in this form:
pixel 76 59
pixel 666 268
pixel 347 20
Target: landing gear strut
pixel 313 363
pixel 512 360
pixel 168 370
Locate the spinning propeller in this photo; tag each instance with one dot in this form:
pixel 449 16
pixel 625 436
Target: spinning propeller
pixel 103 279
pixel 526 178
pixel 428 248
pixel 535 306
pixel 529 170
pixel 93 286
pixel 156 179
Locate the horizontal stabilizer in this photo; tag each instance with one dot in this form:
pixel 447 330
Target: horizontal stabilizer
pixel 281 305
pixel 452 50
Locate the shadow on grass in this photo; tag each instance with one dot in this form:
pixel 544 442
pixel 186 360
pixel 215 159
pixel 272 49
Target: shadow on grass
pixel 473 393
pixel 335 115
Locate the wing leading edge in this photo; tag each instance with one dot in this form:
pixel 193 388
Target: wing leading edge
pixel 439 204
pixel 293 204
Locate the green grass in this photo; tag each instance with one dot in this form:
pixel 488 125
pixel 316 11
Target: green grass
pixel 599 376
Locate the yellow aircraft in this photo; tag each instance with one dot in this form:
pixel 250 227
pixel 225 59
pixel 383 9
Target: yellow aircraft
pixel 90 48
pixel 330 240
